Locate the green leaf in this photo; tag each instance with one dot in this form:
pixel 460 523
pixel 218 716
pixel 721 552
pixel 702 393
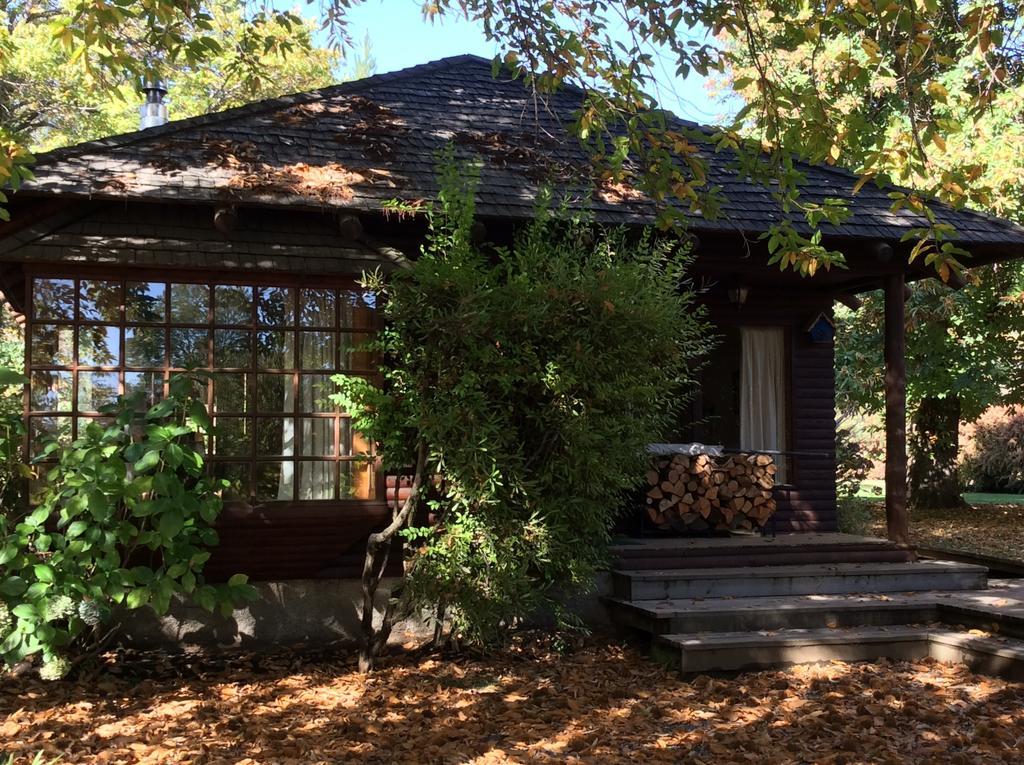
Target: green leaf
pixel 26 611
pixel 149 460
pixel 44 573
pixel 8 553
pixel 11 377
pixel 237 580
pixel 137 598
pixel 170 524
pixel 13 586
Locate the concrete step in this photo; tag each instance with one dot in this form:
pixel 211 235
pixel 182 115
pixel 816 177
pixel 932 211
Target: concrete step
pixel 687 615
pixel 785 581
pixel 736 651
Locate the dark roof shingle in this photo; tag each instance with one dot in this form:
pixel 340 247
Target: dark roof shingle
pixel 362 143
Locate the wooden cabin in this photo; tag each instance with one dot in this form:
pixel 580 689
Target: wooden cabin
pixel 233 242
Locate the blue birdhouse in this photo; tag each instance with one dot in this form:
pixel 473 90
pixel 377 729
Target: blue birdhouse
pixel 822 330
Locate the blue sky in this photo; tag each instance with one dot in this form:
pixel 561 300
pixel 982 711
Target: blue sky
pixel 400 38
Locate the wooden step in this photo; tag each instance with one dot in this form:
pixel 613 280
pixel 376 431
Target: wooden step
pixel 786 581
pixel 759 614
pixel 735 651
pixel 725 552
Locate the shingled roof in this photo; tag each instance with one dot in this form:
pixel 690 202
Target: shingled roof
pixel 362 143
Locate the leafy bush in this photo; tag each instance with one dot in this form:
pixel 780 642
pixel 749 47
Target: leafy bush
pixel 996 461
pixel 13 471
pixel 854 461
pixel 528 379
pixel 124 521
pixel 855 515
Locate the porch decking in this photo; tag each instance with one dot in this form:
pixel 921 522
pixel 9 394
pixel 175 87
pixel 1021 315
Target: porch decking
pixel 754 550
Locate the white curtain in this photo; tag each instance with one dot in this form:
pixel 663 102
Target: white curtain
pixel 763 393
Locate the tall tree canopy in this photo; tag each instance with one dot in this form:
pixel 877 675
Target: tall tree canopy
pixel 963 348
pixel 618 47
pixel 50 99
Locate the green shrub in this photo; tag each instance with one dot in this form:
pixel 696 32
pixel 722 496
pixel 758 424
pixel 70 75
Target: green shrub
pixel 853 461
pixel 124 521
pixel 532 377
pixel 996 461
pixel 855 515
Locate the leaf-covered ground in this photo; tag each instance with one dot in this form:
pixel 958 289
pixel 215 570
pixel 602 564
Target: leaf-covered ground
pixel 996 530
pixel 599 704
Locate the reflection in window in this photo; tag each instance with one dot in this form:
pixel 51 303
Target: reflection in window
pixel 53 345
pixel 144 301
pixel 232 304
pixel 50 391
pixel 190 304
pixel 96 390
pixel 99 346
pixel 190 348
pixel 144 346
pixel 53 299
pixel 271 352
pixel 99 301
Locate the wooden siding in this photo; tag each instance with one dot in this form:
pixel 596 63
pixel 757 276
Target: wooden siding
pixel 808 503
pixel 321 540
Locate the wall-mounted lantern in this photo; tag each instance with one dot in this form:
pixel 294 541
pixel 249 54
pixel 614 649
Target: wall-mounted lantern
pixel 738 293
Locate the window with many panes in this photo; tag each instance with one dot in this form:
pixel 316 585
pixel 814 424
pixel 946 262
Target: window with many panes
pixel 271 351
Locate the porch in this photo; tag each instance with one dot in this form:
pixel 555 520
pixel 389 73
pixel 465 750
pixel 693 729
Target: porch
pixel 681 552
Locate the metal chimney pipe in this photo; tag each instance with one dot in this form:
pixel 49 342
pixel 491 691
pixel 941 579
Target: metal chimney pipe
pixel 153 112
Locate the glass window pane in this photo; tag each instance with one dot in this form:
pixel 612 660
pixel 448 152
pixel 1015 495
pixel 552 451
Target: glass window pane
pixel 358 310
pixel 354 353
pixel 317 436
pixel 316 480
pixel 229 393
pixel 316 350
pixel 276 306
pixel 144 346
pixel 275 350
pixel 356 480
pixel 53 299
pixel 315 393
pixel 239 474
pixel 232 304
pixel 316 308
pixel 149 384
pixel 232 348
pixel 53 346
pixel 274 394
pixel 232 437
pixel 50 392
pixel 189 348
pixel 353 443
pixel 275 437
pixel 99 346
pixel 99 301
pixel 275 481
pixel 96 390
pixel 190 303
pixel 45 429
pixel 144 301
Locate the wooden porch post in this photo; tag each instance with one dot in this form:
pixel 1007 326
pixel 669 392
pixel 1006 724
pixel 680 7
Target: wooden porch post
pixel 896 410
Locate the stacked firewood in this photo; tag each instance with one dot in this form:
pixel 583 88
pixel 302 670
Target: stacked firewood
pixel 702 493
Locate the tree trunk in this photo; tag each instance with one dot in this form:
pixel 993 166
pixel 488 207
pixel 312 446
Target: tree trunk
pixel 934 447
pixel 378 549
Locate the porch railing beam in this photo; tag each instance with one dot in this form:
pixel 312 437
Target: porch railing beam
pixel 896 410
